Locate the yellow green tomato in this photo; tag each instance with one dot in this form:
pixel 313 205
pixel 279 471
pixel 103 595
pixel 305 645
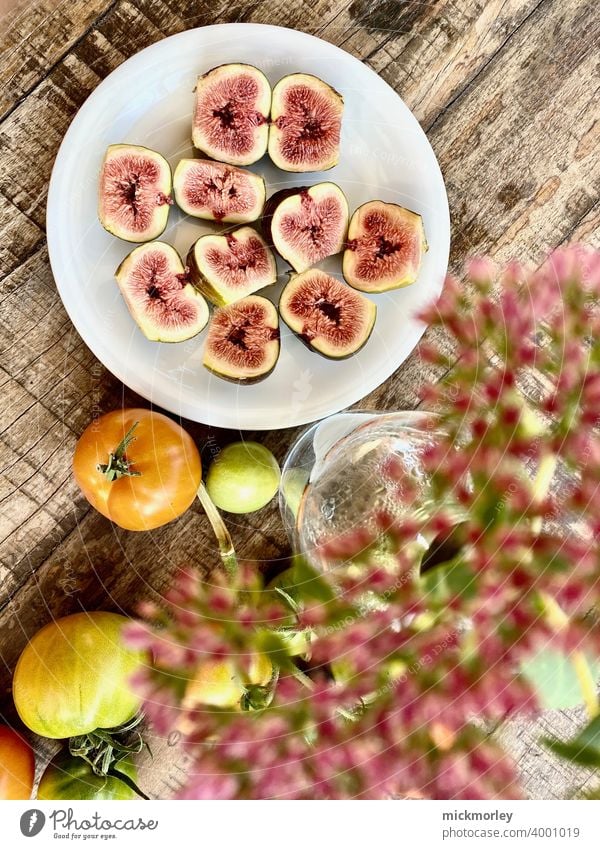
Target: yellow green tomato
pixel 73 676
pixel 218 683
pixel 68 777
pixel 243 478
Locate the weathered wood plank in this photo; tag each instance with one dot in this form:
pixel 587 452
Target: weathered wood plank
pixel 587 230
pixel 546 776
pixel 37 494
pixel 36 37
pixel 19 237
pixel 430 51
pixel 520 173
pixel 31 315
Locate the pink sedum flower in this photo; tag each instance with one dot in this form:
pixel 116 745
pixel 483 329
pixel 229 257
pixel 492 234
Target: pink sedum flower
pixel 404 667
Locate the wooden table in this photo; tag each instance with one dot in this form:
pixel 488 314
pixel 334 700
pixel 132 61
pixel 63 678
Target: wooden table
pixel 505 92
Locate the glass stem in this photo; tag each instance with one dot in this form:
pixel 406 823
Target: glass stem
pixel 226 548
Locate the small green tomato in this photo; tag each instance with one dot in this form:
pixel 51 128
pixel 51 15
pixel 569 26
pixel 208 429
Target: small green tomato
pixel 243 478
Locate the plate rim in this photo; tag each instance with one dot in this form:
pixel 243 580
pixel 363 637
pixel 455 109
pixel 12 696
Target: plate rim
pixel 212 417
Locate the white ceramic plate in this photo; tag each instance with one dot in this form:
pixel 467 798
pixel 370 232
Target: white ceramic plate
pixel 148 100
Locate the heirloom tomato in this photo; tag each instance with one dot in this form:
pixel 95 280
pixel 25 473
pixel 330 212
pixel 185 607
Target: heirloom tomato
pixel 73 676
pixel 71 778
pixel 17 765
pixel 138 468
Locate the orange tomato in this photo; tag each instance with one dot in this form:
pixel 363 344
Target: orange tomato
pixel 138 468
pixel 17 765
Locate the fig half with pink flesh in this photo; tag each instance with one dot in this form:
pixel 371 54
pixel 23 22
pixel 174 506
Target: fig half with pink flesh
pixel 306 123
pixel 159 295
pixel 227 267
pixel 218 192
pixel 134 193
pixel 386 243
pixel 307 224
pixel 328 317
pixel 243 340
pixel 231 117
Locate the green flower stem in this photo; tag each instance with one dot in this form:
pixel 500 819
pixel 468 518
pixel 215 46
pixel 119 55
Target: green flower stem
pixel 541 485
pixel 586 683
pixel 226 548
pixel 556 616
pixel 303 679
pixel 558 620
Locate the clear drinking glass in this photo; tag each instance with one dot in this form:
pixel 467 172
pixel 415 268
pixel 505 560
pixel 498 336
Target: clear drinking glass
pixel 334 476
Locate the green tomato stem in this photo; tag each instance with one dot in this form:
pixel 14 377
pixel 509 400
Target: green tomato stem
pixel 103 748
pixel 118 465
pixel 226 548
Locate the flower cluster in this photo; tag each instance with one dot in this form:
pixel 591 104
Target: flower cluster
pixel 386 678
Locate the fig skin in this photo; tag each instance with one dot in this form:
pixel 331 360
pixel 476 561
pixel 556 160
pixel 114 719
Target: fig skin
pixel 271 335
pixel 289 148
pixel 251 129
pixel 217 179
pixel 271 205
pixel 339 291
pixel 310 199
pixel 224 296
pixel 158 205
pixel 376 227
pixel 140 305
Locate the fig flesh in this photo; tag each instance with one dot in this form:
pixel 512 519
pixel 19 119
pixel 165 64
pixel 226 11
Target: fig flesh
pixel 218 192
pixel 328 317
pixel 308 224
pixel 134 192
pixel 243 340
pixel 231 117
pixel 306 122
pixel 231 266
pixel 385 246
pixel 159 295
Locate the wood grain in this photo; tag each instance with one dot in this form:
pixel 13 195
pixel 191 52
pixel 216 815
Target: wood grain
pixel 504 90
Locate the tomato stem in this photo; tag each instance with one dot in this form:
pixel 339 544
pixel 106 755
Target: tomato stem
pixel 103 748
pixel 226 548
pixel 118 465
pixel 260 696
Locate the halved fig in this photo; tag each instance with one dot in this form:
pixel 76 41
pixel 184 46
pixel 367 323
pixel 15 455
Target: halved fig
pixel 306 122
pixel 159 295
pixel 308 224
pixel 218 192
pixel 328 317
pixel 134 192
pixel 385 246
pixel 228 267
pixel 231 118
pixel 243 340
